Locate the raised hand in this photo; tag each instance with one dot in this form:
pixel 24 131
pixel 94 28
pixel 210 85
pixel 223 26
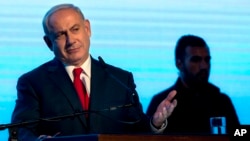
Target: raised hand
pixel 164 110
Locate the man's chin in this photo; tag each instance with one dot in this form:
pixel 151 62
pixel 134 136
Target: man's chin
pixel 200 83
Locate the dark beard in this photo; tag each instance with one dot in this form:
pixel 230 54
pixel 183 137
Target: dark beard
pixel 198 81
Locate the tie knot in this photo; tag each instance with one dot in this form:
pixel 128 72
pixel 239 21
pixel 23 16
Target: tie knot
pixel 77 72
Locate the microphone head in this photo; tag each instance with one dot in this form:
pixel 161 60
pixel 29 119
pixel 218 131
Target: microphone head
pixel 102 62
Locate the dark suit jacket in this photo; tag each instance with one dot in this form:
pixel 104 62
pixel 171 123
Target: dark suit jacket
pixel 194 108
pixel 47 91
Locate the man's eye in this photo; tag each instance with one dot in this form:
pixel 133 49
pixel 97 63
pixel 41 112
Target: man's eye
pixel 196 59
pixel 59 35
pixel 75 29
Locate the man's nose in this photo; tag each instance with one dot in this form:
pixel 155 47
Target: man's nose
pixel 70 39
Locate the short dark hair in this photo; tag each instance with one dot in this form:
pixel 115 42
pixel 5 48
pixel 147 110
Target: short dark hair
pixel 186 41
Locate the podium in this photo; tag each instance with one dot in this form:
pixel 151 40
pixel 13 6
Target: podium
pixel 133 137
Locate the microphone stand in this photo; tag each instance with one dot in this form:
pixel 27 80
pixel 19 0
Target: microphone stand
pixel 131 91
pixel 11 125
pixel 132 94
pixel 72 115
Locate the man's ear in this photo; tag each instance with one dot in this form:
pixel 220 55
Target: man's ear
pixel 179 64
pixel 87 27
pixel 48 42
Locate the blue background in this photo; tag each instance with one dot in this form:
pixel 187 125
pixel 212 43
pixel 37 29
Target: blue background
pixel 136 35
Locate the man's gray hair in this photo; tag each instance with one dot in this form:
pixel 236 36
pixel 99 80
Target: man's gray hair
pixel 53 10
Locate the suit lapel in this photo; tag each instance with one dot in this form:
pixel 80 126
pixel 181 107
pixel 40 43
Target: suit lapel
pixel 61 79
pixel 97 84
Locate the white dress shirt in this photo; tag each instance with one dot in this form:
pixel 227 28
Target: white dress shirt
pixel 85 75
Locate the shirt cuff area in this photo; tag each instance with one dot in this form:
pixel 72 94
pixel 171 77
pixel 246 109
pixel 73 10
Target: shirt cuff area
pixel 158 130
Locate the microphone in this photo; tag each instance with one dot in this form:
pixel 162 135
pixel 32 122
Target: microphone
pixel 131 91
pixel 132 94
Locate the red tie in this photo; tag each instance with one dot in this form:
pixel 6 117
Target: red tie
pixel 80 88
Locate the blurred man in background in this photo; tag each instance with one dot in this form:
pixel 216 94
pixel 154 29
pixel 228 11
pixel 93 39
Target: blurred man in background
pixel 198 99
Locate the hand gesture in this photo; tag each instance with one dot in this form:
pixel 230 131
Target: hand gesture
pixel 164 109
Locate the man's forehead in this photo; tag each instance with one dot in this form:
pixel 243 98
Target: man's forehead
pixel 55 23
pixel 197 50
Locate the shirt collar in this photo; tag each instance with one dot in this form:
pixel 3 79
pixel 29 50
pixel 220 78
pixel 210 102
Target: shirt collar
pixel 85 66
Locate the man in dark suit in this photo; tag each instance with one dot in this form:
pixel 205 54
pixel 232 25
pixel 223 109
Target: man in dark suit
pixel 48 91
pixel 198 100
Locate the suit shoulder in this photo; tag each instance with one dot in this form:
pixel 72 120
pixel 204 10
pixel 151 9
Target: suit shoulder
pixel 37 70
